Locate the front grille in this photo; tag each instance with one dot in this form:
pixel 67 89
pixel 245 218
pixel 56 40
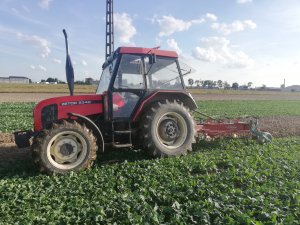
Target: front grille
pixel 49 114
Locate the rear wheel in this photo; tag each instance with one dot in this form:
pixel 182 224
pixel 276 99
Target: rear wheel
pixel 168 129
pixel 65 147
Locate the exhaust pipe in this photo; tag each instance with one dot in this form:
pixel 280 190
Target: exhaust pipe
pixel 69 66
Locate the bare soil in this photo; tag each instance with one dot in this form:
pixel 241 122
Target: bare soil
pixel 27 97
pixel 281 126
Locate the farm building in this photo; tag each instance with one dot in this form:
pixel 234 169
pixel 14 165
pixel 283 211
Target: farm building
pixel 15 80
pixel 293 88
pixel 4 80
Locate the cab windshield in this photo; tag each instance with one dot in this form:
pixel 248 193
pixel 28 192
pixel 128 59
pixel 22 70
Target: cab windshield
pixel 106 77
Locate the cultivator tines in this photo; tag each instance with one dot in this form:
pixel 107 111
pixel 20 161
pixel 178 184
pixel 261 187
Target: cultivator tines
pixel 247 126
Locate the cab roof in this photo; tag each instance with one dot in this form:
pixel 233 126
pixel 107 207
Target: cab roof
pixel 146 51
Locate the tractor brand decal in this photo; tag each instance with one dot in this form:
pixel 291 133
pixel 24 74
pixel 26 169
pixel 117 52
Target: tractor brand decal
pixel 82 102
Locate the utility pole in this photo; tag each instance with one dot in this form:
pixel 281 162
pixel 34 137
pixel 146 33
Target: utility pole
pixel 109 28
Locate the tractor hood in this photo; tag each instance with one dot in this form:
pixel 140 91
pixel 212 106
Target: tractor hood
pixel 53 109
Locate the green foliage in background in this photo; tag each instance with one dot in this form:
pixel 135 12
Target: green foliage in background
pixel 258 108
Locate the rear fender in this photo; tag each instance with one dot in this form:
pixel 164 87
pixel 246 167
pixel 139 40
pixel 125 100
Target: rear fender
pixel 184 97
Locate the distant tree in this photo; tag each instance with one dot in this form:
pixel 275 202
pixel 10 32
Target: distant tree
pixel 214 84
pixel 249 84
pixel 51 80
pixel 197 82
pixel 263 86
pixel 226 85
pixel 220 83
pixel 235 86
pixel 79 82
pixel 201 83
pixel 205 83
pixel 209 84
pixel 43 81
pixel 191 82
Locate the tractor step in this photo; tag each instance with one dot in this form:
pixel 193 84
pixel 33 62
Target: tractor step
pixel 121 134
pixel 121 145
pixel 123 131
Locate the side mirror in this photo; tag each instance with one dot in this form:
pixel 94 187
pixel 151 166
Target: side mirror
pixel 152 59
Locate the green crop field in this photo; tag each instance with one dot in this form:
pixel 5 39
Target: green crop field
pixel 18 116
pixel 229 181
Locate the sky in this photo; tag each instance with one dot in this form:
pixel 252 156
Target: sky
pixel 231 40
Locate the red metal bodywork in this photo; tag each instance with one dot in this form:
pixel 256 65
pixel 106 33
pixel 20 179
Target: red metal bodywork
pixel 213 129
pixel 146 51
pixel 85 105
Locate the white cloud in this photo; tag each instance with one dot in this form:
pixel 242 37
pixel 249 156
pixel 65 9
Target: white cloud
pixel 44 4
pixel 124 29
pixel 32 67
pixel 58 61
pixel 42 44
pixel 174 45
pixel 219 50
pixel 211 16
pixel 84 63
pixel 42 68
pixel 244 1
pixel 236 26
pixel 169 24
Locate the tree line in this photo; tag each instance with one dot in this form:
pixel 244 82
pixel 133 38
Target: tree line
pixel 55 80
pixel 210 84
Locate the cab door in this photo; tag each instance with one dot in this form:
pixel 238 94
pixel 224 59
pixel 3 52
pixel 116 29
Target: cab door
pixel 128 87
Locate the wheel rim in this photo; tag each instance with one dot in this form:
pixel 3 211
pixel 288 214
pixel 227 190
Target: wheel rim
pixel 171 130
pixel 67 150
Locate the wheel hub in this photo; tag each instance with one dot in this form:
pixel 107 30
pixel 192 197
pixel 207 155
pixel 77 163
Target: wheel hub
pixel 169 130
pixel 66 149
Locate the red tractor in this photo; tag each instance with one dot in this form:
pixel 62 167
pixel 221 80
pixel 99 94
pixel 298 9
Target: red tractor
pixel 141 101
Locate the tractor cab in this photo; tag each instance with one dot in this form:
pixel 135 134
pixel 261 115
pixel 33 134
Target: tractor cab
pixel 132 74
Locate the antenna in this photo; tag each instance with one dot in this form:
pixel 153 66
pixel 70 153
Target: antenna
pixel 109 47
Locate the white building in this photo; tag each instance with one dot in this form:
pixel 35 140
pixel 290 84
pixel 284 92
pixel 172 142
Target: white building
pixel 293 88
pixel 14 80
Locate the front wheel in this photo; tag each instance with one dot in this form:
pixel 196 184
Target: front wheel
pixel 168 129
pixel 65 147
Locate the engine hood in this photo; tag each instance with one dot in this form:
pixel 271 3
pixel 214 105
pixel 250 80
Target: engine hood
pixel 58 108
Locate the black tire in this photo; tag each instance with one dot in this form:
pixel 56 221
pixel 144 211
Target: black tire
pixel 168 129
pixel 67 146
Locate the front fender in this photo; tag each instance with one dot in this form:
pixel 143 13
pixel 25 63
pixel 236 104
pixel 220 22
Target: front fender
pixel 90 124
